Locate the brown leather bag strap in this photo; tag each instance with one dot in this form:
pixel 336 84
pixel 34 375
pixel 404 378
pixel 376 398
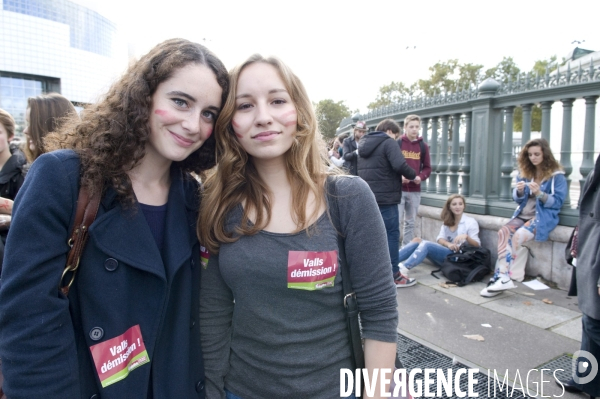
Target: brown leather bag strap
pixel 87 209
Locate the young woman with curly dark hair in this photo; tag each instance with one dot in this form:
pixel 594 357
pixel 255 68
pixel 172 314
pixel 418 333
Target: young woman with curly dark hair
pixel 540 192
pixel 129 327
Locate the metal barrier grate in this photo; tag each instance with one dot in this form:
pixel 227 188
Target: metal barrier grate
pixel 415 355
pixel 563 363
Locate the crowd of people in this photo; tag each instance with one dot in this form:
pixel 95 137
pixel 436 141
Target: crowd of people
pixel 212 264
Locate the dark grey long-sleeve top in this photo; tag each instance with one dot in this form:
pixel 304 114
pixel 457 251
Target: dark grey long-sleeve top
pixel 262 339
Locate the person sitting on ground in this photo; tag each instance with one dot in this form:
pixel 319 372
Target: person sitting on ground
pixel 540 192
pixel 456 229
pixel 45 114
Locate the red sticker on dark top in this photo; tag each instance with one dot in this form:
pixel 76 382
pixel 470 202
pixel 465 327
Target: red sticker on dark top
pixel 308 270
pixel 116 358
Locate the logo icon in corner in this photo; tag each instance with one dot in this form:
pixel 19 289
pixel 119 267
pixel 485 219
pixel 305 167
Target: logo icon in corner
pixel 584 367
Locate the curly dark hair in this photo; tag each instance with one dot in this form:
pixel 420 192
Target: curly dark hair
pixel 548 166
pixel 112 134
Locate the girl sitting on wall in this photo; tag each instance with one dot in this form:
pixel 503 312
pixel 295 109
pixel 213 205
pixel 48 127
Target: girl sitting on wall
pixel 540 192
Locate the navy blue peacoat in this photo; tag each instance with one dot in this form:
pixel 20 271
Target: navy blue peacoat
pixel 123 281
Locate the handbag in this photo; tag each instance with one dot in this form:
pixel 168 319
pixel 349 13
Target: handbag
pixel 350 303
pixel 469 264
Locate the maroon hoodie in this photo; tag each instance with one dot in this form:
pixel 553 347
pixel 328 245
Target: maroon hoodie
pixel 412 152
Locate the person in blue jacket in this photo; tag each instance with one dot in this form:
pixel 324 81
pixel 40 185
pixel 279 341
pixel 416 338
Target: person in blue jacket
pixel 540 192
pixel 129 326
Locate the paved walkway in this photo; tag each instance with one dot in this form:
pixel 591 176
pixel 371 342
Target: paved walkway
pixel 525 332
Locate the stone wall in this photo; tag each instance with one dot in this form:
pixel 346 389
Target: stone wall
pixel 547 259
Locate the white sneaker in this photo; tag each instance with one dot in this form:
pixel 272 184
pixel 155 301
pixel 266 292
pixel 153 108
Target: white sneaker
pixel 503 282
pixel 487 294
pixel 403 269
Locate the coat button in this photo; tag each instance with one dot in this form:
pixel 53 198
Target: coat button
pixel 199 386
pixel 111 264
pixel 96 333
pixel 95 396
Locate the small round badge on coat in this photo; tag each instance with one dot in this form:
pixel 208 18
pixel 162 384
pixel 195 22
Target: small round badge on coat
pixel 96 333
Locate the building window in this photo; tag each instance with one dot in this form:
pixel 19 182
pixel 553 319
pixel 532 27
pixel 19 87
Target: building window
pixel 89 30
pixel 16 88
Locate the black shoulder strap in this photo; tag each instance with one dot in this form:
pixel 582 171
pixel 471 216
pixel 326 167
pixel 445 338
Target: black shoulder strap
pixel 422 145
pixel 349 296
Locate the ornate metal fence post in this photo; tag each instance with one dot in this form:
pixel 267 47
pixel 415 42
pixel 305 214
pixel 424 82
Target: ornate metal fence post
pixel 424 125
pixel 587 163
pixel 526 126
pixel 454 161
pixel 507 155
pixel 485 137
pixel 565 146
pixel 443 159
pixel 466 163
pixel 546 109
pixel 432 186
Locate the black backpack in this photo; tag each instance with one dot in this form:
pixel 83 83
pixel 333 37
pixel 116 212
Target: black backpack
pixel 470 263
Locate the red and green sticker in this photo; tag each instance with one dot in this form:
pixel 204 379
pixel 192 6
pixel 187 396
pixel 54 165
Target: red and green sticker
pixel 116 358
pixel 204 256
pixel 308 270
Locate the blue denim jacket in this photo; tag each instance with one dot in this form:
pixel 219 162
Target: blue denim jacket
pixel 546 214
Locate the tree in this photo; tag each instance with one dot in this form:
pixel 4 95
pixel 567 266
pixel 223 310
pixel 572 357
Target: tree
pixel 449 77
pixel 505 71
pixel 392 93
pixel 539 69
pixel 329 115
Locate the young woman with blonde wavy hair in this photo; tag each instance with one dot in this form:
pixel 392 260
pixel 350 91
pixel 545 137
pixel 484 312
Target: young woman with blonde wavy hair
pixel 272 316
pixel 540 192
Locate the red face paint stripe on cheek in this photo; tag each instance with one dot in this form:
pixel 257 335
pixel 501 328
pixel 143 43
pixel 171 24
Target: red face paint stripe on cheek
pixel 292 115
pixel 160 112
pixel 288 114
pixel 234 124
pixel 239 136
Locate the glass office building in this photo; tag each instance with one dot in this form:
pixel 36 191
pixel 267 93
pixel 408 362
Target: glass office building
pixel 55 46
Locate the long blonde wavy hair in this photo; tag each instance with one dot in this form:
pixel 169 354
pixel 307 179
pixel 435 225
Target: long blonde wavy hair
pixel 235 179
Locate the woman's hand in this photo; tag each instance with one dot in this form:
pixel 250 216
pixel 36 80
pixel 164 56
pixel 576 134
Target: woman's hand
pixel 521 187
pixel 453 247
pixel 534 188
pixel 6 206
pixel 460 239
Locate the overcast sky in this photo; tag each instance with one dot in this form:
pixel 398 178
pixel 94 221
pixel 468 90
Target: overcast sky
pixel 346 50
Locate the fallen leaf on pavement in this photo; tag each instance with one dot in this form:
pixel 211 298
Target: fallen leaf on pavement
pixel 475 337
pixel 527 303
pixel 445 285
pixel 548 301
